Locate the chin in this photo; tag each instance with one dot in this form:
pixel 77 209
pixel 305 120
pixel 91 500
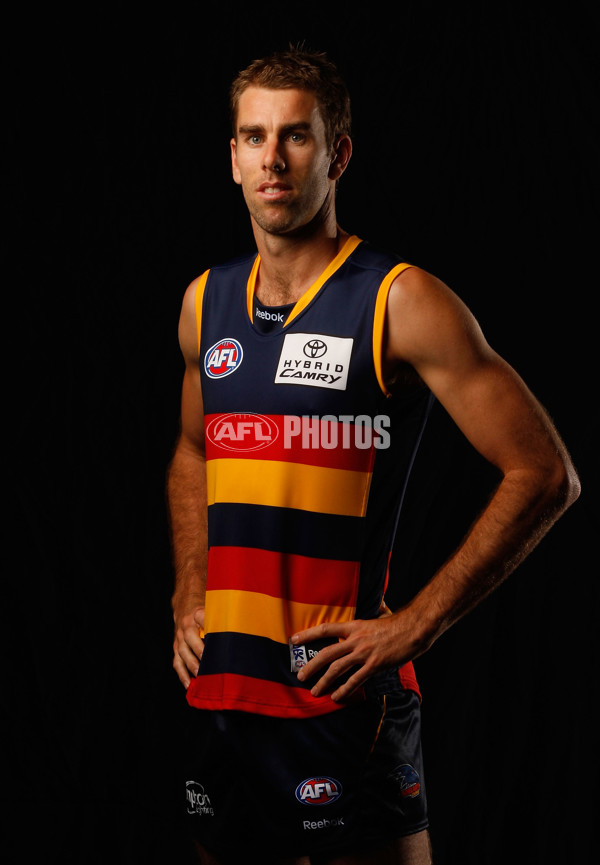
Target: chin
pixel 277 226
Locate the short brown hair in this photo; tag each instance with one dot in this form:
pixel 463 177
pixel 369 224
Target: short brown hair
pixel 304 70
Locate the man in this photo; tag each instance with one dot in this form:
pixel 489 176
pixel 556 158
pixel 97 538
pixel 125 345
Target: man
pixel 310 371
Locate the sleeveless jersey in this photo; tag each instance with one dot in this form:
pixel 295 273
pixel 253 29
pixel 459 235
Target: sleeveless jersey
pixel 307 457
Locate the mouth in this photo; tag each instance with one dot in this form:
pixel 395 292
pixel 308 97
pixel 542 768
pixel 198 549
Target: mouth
pixel 273 191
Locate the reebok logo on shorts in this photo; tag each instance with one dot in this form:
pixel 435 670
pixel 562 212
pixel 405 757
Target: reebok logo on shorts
pixel 323 824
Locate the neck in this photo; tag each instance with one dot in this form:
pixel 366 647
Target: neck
pixel 289 265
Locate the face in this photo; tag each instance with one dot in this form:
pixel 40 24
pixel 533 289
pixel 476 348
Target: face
pixel 281 159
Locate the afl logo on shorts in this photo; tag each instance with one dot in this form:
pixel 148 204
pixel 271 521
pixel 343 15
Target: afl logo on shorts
pixel 318 791
pixel 223 358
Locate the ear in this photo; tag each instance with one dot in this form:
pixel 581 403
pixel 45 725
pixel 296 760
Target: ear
pixel 342 150
pixel 234 166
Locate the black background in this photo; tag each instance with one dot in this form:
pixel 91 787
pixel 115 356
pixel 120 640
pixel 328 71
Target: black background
pixel 476 156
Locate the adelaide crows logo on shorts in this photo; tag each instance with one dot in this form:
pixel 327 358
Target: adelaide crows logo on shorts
pixel 318 791
pixel 408 779
pixel 223 358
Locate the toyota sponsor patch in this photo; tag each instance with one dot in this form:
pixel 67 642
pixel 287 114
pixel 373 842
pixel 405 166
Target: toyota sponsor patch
pixel 314 359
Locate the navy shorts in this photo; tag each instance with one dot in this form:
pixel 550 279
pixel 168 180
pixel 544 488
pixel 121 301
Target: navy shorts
pixel 257 785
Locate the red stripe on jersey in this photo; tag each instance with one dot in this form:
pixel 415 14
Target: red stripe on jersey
pixel 408 678
pixel 259 696
pixel 284 575
pixel 245 693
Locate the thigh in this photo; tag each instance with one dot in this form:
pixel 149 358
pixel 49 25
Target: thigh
pixel 204 857
pixel 408 850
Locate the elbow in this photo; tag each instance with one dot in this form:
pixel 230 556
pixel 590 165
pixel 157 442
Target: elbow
pixel 573 487
pixel 564 484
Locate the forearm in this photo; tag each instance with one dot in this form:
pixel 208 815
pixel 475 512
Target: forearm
pixel 186 492
pixel 515 520
pixel 523 508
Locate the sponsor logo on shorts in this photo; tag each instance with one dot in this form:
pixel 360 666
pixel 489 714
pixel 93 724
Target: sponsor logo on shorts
pixel 314 359
pixel 242 432
pixel 197 800
pixel 223 358
pixel 319 790
pixel 408 779
pixel 323 824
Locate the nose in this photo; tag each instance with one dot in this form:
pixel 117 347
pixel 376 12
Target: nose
pixel 274 160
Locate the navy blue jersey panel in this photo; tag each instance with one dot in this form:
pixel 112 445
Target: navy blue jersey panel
pixel 321 536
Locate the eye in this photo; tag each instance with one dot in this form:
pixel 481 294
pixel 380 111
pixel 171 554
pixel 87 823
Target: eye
pixel 297 137
pixel 254 139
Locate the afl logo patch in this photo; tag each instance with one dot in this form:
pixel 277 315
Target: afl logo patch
pixel 223 358
pixel 318 791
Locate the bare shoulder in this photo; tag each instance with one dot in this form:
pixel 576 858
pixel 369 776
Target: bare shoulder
pixel 189 297
pixel 428 325
pixel 416 284
pixel 188 330
pixel 432 330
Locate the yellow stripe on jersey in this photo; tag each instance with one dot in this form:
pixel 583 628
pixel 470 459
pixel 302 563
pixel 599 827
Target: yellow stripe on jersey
pixel 288 485
pixel 228 610
pixel 379 321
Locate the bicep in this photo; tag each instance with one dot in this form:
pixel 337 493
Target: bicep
pixel 432 330
pixel 192 407
pixel 192 411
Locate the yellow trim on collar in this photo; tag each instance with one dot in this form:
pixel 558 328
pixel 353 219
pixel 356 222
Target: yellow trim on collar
pixel 347 249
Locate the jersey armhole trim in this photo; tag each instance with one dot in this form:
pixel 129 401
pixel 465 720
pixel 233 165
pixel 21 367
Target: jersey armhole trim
pixel 198 298
pixel 379 321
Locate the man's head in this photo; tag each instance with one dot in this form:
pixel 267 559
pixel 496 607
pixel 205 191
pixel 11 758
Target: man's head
pixel 301 70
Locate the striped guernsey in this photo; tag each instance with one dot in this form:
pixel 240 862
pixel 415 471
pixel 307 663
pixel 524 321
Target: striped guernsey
pixel 307 461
